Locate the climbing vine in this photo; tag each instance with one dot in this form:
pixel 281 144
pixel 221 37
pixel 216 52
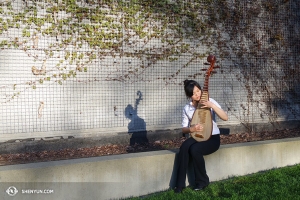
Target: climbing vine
pixel 65 38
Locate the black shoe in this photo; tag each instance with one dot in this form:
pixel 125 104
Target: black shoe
pixel 178 189
pixel 199 187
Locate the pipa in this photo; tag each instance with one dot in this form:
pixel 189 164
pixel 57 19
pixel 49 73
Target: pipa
pixel 201 115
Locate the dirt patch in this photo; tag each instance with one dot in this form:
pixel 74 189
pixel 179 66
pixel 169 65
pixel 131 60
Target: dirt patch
pixel 105 150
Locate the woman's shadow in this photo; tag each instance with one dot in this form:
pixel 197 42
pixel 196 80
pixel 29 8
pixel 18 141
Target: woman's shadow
pixel 136 126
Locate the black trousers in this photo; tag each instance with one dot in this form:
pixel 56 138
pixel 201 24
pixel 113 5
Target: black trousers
pixel 195 150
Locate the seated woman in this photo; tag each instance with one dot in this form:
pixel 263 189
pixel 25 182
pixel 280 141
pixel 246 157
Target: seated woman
pixel 192 148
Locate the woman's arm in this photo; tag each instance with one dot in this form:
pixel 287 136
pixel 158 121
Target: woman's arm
pixel 219 111
pixel 195 128
pixel 185 124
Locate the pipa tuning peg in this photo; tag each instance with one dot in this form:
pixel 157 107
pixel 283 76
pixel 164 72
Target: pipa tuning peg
pixel 211 58
pixel 203 69
pixel 206 63
pixel 216 67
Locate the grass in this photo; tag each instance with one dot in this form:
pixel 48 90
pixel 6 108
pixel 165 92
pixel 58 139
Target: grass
pixel 281 184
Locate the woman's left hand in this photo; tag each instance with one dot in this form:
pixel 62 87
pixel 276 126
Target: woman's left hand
pixel 217 110
pixel 206 104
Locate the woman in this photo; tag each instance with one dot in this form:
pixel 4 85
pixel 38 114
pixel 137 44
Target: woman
pixel 192 148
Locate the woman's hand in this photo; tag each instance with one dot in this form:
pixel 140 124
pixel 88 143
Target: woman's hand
pixel 206 104
pixel 218 111
pixel 196 128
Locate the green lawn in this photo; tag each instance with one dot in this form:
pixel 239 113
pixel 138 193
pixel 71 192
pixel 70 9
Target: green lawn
pixel 282 183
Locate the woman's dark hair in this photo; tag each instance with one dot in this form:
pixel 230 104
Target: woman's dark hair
pixel 189 87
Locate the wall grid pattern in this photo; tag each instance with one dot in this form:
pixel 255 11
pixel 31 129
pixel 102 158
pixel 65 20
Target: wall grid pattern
pixel 71 65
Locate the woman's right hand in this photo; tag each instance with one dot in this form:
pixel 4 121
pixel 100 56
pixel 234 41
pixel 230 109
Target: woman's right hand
pixel 196 128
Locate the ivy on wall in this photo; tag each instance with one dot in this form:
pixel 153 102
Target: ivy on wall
pixel 87 31
pixel 260 39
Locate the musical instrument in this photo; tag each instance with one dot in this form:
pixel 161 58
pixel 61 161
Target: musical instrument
pixel 203 116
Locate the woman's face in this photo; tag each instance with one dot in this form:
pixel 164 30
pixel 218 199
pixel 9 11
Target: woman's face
pixel 196 94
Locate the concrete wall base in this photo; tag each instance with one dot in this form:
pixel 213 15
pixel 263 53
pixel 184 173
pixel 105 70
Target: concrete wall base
pixel 137 174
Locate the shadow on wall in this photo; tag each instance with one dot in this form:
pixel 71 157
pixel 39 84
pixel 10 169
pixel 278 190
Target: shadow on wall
pixel 287 101
pixel 137 125
pixel 288 106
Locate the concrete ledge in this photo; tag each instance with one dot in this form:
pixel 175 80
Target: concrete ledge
pixel 136 174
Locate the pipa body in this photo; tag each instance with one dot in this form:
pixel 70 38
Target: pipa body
pixel 201 115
